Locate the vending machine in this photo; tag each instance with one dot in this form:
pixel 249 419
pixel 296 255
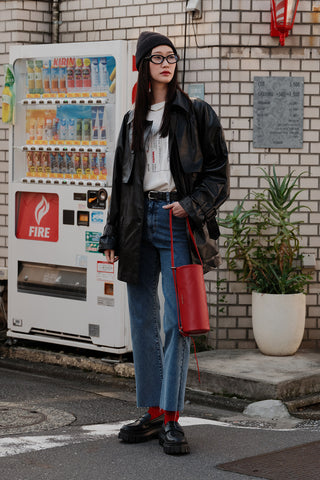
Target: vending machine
pixel 70 100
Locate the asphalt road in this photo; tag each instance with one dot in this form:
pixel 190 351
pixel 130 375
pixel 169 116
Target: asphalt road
pixel 66 429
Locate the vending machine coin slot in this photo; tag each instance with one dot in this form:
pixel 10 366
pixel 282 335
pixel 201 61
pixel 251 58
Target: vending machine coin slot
pixel 97 199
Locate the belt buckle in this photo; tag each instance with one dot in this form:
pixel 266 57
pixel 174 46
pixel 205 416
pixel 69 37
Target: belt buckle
pixel 150 196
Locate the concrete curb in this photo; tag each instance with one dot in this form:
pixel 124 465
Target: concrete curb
pixel 89 364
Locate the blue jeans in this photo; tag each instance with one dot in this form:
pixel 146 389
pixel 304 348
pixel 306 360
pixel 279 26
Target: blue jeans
pixel 160 370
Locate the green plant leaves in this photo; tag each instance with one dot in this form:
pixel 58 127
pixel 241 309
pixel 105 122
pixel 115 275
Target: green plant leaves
pixel 263 246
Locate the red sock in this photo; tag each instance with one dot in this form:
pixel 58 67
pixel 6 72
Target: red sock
pixel 155 412
pixel 170 416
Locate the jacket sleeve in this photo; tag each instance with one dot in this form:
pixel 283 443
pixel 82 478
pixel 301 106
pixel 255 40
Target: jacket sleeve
pixel 211 188
pixel 109 238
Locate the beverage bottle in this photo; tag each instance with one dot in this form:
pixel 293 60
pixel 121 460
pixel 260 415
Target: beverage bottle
pixel 78 75
pixel 30 165
pixel 86 129
pixel 70 74
pixel 48 129
pixel 95 124
pixel 8 98
pixel 31 76
pixel 46 76
pixel 70 162
pixel 85 163
pixel 94 163
pixel 77 163
pixel 79 129
pixel 103 74
pixel 103 163
pixel 54 163
pixel 40 129
pixel 71 129
pixel 62 75
pixel 62 162
pixel 63 130
pixel 45 162
pixel 95 83
pixel 86 74
pixel 55 129
pixel 55 75
pixel 37 161
pixel 38 76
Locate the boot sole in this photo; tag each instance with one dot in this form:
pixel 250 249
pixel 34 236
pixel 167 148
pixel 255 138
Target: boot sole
pixel 174 449
pixel 139 438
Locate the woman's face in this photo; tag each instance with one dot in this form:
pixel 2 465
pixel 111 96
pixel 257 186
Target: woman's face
pixel 163 72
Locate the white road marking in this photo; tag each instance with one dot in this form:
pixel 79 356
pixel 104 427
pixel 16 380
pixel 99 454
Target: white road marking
pixel 15 445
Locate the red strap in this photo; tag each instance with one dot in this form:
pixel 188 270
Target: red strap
pixel 176 287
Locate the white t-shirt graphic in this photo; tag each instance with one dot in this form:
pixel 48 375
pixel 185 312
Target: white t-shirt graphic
pixel 157 172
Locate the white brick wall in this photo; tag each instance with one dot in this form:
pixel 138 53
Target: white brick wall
pixel 232 46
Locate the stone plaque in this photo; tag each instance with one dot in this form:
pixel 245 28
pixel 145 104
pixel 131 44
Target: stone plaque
pixel 278 112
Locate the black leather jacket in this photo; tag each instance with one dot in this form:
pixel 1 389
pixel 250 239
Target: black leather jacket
pixel 199 165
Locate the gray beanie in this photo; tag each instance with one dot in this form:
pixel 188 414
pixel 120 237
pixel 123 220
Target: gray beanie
pixel 147 41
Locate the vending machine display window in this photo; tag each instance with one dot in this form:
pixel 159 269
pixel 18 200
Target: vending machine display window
pixel 66 111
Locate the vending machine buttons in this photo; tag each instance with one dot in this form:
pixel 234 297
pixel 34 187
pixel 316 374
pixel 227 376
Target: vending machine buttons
pixel 68 217
pixel 83 218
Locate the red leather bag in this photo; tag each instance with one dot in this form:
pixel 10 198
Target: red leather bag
pixel 193 315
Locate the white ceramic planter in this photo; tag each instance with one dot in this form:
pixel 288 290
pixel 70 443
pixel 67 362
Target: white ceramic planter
pixel 278 322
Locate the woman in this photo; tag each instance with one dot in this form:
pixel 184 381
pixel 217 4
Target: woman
pixel 171 154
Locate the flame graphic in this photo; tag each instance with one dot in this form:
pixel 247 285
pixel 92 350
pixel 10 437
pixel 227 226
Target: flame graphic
pixel 41 209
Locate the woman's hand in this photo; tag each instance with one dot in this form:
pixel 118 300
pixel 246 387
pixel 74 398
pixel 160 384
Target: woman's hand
pixel 110 258
pixel 177 210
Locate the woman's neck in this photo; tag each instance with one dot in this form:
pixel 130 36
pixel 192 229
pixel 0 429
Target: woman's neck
pixel 158 93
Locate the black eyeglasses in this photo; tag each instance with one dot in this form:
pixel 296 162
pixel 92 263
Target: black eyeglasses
pixel 158 59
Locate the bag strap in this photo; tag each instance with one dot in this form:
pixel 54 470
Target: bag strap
pixel 191 235
pixel 176 286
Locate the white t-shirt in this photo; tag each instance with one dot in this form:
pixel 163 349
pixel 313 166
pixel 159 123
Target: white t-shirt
pixel 157 172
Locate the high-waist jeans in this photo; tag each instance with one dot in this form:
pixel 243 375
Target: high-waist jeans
pixel 160 369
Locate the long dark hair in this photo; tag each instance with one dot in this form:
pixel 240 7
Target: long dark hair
pixel 143 101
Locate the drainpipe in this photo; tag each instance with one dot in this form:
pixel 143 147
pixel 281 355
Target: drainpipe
pixel 55 21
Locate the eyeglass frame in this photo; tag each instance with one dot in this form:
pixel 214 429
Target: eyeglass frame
pixel 149 59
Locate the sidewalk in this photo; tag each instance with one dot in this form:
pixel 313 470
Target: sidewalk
pixel 230 379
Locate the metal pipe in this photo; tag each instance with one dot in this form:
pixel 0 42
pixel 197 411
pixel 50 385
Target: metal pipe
pixel 55 21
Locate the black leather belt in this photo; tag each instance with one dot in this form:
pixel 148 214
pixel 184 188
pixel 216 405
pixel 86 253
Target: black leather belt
pixel 162 196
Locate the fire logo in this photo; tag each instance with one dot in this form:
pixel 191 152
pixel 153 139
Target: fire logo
pixel 38 216
pixel 41 210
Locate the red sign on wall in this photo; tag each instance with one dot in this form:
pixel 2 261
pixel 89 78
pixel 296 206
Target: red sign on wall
pixel 37 216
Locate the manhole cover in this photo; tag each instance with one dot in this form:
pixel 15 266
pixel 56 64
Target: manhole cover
pixel 21 418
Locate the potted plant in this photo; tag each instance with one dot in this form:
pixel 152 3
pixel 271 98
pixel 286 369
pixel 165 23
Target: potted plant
pixel 263 248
